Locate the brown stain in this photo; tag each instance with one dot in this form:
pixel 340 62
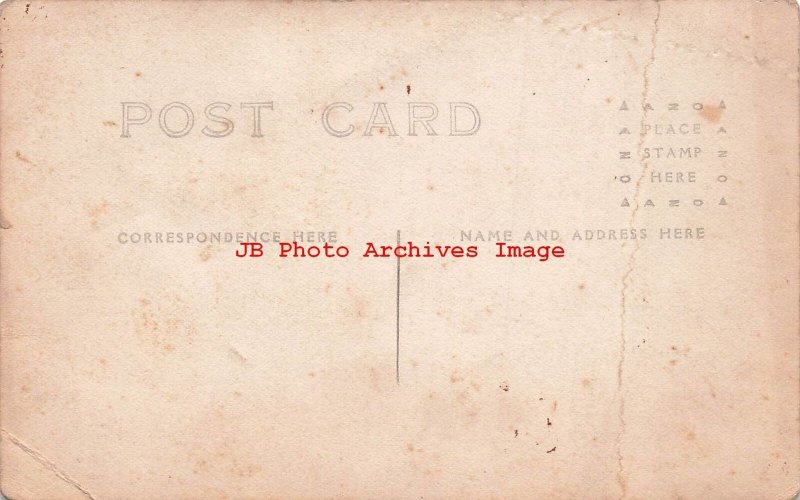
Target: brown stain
pixel 110 123
pixel 360 307
pixel 471 417
pixel 465 396
pixel 711 113
pixel 222 456
pixel 52 256
pixel 238 356
pixel 690 436
pixel 587 383
pixel 623 484
pixel 245 470
pixel 163 324
pixel 582 286
pixel 207 253
pixel 24 159
pixel 462 409
pixel 375 379
pixel 411 448
pixel 138 74
pixel 608 100
pixel 96 211
pixel 685 351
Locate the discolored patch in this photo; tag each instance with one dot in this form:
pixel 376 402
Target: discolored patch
pixel 711 113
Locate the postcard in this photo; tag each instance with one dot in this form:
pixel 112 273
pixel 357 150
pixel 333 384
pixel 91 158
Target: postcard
pixel 399 249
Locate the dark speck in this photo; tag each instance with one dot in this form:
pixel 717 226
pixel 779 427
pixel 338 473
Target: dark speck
pixel 551 451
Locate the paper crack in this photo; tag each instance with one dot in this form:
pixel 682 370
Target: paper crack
pixel 626 277
pixel 46 463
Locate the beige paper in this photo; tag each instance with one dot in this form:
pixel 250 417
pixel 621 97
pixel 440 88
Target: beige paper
pixel 655 143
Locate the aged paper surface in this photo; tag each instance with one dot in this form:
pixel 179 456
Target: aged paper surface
pixel 655 143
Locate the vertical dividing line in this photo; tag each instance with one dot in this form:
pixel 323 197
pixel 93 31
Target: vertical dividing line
pixel 397 317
